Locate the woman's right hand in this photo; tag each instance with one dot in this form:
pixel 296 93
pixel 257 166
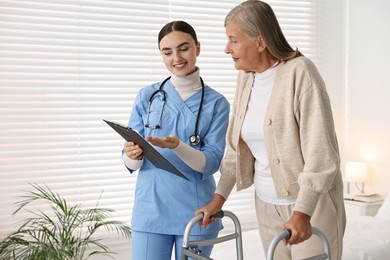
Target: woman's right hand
pixel 210 209
pixel 133 151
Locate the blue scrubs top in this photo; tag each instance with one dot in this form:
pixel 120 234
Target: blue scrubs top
pixel 165 203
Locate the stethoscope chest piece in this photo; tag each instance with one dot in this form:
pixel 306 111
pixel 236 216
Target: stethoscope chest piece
pixel 195 139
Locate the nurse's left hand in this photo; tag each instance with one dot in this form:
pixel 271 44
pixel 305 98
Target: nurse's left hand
pixel 171 141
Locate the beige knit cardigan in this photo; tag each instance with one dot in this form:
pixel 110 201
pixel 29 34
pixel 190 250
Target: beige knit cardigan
pixel 299 132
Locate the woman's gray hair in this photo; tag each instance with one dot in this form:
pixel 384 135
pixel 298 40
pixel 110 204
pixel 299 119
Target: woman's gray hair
pixel 256 18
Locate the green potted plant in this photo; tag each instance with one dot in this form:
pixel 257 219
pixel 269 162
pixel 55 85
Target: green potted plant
pixel 67 233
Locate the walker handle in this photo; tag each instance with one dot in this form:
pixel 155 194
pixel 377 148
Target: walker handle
pixel 287 233
pixel 219 214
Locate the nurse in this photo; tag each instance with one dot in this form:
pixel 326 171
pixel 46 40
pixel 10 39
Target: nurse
pixel 186 121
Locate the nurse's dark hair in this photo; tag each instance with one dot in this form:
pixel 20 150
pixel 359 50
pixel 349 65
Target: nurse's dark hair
pixel 256 18
pixel 180 26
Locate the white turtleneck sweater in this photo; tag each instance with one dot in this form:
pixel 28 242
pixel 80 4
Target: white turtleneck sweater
pixel 186 87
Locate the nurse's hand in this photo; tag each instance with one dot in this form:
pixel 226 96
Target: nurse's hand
pixel 133 151
pixel 167 142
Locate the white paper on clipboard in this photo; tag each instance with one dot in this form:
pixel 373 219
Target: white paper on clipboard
pixel 149 151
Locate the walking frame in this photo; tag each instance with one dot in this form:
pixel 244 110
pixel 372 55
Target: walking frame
pixel 190 248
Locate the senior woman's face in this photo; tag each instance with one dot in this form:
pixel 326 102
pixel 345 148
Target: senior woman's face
pixel 243 49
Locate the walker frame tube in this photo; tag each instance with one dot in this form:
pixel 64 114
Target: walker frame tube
pixel 187 244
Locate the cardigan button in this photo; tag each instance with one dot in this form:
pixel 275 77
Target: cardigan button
pixel 268 121
pixel 284 193
pixel 276 160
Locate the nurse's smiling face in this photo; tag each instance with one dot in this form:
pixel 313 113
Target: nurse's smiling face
pixel 179 51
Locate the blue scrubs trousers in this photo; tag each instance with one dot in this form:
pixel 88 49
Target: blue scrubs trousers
pixel 152 246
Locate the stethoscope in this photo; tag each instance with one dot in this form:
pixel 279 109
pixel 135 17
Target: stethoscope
pixel 194 138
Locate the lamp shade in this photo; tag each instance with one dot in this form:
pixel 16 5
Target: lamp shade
pixel 355 171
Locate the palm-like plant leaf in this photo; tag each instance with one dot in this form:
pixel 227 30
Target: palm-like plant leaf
pixel 67 235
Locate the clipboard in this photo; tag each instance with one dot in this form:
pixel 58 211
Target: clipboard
pixel 149 151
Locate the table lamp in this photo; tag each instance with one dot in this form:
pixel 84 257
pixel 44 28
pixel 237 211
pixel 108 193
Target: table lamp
pixel 355 172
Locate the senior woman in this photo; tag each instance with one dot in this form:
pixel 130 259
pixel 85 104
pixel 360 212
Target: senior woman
pixel 281 138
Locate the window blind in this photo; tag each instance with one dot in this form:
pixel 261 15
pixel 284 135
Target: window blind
pixel 67 64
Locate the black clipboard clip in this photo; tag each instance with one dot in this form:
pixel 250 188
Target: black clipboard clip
pixel 149 151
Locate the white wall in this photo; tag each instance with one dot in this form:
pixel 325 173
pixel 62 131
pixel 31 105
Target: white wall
pixel 354 64
pixel 331 64
pixel 367 92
